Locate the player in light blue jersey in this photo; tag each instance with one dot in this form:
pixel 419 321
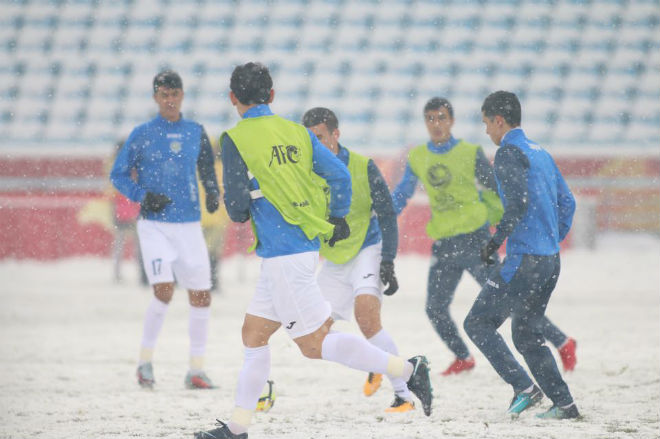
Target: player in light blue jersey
pixel 166 154
pixel 538 211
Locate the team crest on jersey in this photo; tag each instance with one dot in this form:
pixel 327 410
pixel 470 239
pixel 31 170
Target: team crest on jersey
pixel 439 175
pixel 175 147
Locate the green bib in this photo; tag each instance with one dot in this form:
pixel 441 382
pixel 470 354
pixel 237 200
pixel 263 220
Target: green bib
pixel 449 180
pixel 278 153
pixel 358 217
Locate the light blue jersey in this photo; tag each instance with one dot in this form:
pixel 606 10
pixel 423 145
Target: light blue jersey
pixel 165 155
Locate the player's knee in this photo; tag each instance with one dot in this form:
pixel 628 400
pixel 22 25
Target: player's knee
pixel 311 345
pixel 472 326
pixel 164 292
pixel 310 349
pixel 199 298
pixel 524 341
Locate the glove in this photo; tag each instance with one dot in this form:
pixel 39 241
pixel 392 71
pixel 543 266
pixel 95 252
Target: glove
pixel 388 278
pixel 487 252
pixel 342 231
pixel 212 201
pixel 155 202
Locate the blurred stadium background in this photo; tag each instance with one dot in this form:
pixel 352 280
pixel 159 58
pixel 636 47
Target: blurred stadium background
pixel 75 76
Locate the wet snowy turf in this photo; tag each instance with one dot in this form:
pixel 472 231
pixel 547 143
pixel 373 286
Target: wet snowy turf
pixel 69 339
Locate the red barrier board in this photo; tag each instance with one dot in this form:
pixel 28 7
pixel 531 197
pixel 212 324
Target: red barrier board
pixel 42 222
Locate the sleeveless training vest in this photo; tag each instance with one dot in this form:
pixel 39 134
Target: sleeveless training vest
pixel 358 217
pixel 449 180
pixel 278 153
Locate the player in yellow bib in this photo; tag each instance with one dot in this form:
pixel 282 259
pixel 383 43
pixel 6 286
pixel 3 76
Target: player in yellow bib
pixel 356 269
pixel 462 191
pixel 273 168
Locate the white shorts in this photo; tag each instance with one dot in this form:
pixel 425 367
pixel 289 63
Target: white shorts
pixel 175 252
pixel 287 292
pixel 341 283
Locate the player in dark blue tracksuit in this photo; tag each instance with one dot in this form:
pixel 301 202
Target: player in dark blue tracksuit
pixel 538 211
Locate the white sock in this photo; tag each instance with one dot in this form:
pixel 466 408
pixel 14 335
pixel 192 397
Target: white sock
pixel 384 341
pixel 153 322
pixel 357 353
pixel 251 381
pixel 198 328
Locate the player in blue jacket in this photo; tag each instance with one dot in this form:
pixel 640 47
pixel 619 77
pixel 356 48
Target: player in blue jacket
pixel 272 176
pixel 166 153
pixel 538 211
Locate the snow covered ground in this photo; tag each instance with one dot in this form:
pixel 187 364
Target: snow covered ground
pixel 69 339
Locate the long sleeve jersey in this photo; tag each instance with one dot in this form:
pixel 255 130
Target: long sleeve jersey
pixel 276 237
pixel 166 156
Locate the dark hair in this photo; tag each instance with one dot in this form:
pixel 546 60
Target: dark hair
pixel 167 79
pixel 437 103
pixel 251 83
pixel 319 115
pixel 505 104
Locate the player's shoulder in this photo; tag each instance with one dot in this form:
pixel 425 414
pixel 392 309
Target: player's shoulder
pixel 462 143
pixel 192 123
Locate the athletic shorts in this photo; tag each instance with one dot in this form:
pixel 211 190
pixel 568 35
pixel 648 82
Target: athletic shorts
pixel 175 252
pixel 287 292
pixel 341 283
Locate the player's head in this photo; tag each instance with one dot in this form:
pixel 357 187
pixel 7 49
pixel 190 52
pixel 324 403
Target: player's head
pixel 251 84
pixel 439 119
pixel 323 122
pixel 500 113
pixel 168 94
pixel 167 79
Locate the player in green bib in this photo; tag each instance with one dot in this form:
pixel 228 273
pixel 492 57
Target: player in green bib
pixel 273 169
pixel 357 268
pixel 462 193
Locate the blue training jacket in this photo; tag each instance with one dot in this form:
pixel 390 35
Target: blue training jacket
pixel 166 156
pixel 538 205
pixel 276 236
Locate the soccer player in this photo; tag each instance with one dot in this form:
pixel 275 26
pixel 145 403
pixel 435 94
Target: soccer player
pixel 538 213
pixel 350 278
pixel 166 152
pixel 272 172
pixel 462 191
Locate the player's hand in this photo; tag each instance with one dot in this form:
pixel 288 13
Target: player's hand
pixel 155 202
pixel 487 252
pixel 212 201
pixel 388 278
pixel 342 231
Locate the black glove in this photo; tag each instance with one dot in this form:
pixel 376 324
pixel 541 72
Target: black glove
pixel 212 201
pixel 342 231
pixel 155 202
pixel 487 252
pixel 388 278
